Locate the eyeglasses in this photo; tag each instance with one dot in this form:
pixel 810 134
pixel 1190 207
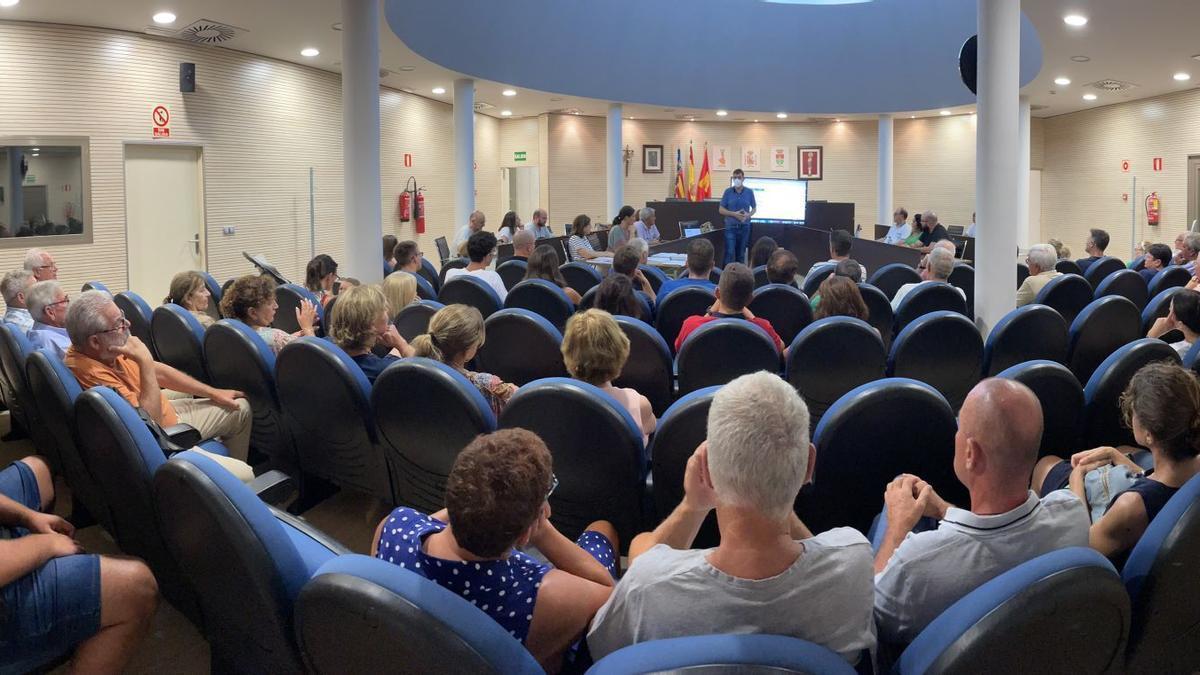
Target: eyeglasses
pixel 51 267
pixel 60 302
pixel 553 486
pixel 122 324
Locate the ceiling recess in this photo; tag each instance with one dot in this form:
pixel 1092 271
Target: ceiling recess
pixel 206 31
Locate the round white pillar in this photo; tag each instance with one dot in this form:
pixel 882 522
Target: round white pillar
pixel 1025 238
pixel 362 191
pixel 884 206
pixel 615 157
pixel 464 151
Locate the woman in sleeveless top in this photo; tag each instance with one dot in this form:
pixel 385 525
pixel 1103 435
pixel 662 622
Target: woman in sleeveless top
pixel 496 503
pixel 1161 405
pixel 595 350
pixel 455 335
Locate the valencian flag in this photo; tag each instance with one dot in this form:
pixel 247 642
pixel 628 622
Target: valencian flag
pixel 681 190
pixel 691 174
pixel 704 186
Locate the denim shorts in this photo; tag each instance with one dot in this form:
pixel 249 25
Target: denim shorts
pixel 50 610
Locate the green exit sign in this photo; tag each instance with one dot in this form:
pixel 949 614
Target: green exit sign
pixel 519 156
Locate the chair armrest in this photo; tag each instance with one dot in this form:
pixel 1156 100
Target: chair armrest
pixel 183 435
pixel 275 488
pixel 311 531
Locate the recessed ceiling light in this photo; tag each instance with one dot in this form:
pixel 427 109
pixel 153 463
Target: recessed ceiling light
pixel 407 90
pixel 1089 97
pixel 9 3
pixel 310 51
pixel 837 119
pixel 36 155
pixel 439 90
pixel 509 92
pixel 35 149
pixel 1080 58
pixel 1182 77
pixel 1062 81
pixel 406 69
pixel 1075 20
pixel 756 121
pixel 722 113
pixel 944 113
pixel 506 113
pixel 164 18
pixel 912 117
pixel 337 26
pixel 782 116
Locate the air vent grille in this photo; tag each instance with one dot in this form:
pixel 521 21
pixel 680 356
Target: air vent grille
pixel 210 32
pixel 568 111
pixel 483 105
pixel 1111 85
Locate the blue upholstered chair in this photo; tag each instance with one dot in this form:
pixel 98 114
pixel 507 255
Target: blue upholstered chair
pixel 724 653
pixel 137 311
pixel 926 299
pixel 1098 271
pixel 94 286
pixel 580 276
pixel 414 319
pixel 879 312
pixel 786 307
pixel 467 289
pixel 1068 267
pixel 1158 307
pixel 1103 422
pixel 288 296
pixel 1100 329
pixel 512 272
pixel 721 350
pixel 890 278
pixel 430 274
pixel 541 297
pixel 680 431
pixel 1028 333
pixel 816 276
pixel 649 368
pixel 1062 404
pixel 677 306
pixel 1127 284
pixel 521 347
pixel 1170 277
pixel 1067 294
pixel 831 357
pixel 215 293
pixel 942 349
pixel 180 340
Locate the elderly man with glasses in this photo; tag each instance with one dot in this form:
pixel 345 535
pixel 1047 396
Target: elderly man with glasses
pixel 48 305
pixel 103 353
pixel 1041 262
pixel 41 264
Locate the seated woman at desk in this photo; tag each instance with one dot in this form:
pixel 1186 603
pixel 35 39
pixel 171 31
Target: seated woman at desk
pixel 578 244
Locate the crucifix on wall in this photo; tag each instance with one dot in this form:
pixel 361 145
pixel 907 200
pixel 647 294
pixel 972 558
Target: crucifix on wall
pixel 627 154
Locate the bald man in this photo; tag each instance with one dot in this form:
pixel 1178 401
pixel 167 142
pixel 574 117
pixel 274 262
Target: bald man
pixel 918 575
pixel 931 232
pixel 475 223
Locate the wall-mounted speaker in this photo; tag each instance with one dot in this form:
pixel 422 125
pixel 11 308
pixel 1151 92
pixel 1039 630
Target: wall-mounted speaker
pixel 187 77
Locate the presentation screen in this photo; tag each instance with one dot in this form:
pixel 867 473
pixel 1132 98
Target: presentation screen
pixel 780 200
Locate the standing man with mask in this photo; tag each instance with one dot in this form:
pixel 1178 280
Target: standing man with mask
pixel 738 207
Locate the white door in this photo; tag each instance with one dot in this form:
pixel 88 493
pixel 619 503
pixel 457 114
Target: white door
pixel 164 216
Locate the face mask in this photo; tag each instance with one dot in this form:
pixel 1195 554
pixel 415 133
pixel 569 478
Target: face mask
pixel 737 182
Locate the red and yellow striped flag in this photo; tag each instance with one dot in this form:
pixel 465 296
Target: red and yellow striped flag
pixel 691 174
pixel 704 187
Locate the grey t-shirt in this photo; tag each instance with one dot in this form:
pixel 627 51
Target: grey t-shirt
pixel 825 597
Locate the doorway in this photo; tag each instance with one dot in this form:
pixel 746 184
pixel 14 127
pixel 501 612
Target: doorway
pixel 1193 192
pixel 164 215
pixel 520 190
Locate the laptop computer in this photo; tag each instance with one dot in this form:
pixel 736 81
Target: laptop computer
pixel 691 231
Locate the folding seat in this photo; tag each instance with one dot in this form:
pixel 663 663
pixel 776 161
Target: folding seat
pixel 215 294
pixel 137 311
pixel 890 278
pixel 724 653
pixel 1063 612
pixel 760 276
pixel 1100 329
pixel 831 357
pixel 655 276
pixel 1171 277
pixel 820 273
pixel 1023 273
pixel 1068 267
pixel 1061 397
pixel 1067 294
pixel 543 298
pixel 425 289
pixel 288 296
pixel 521 347
pixel 467 289
pixel 14 350
pixel 588 301
pixel 786 307
pixel 680 431
pixel 963 277
pixel 1127 284
pixel 680 304
pixel 429 273
pixel 414 319
pixel 365 615
pixel 447 265
pixel 580 276
pixel 1099 270
pixel 927 298
pixel 1028 333
pixel 512 272
pixel 649 368
pixel 879 312
pixel 180 340
pixel 246 562
pixel 1103 423
pixel 94 286
pixel 427 412
pixel 942 349
pixel 597 449
pixel 721 350
pixel 1158 307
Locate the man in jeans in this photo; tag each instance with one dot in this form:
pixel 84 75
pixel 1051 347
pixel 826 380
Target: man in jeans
pixel 738 207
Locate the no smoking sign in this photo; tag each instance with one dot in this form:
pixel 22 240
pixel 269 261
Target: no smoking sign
pixel 161 118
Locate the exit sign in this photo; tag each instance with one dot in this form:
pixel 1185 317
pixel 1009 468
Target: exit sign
pixel 519 156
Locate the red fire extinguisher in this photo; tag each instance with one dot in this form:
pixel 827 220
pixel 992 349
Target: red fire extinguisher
pixel 406 200
pixel 1153 206
pixel 421 211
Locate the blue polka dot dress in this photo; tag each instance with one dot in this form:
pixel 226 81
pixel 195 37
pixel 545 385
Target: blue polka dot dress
pixel 505 590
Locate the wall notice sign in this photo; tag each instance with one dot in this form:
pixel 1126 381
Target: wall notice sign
pixel 519 156
pixel 161 117
pixel 1124 166
pixel 408 159
pixel 1158 163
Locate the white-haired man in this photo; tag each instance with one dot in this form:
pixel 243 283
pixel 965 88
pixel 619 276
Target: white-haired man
pixel 1041 261
pixel 645 227
pixel 933 268
pixel 48 305
pixel 769 574
pixel 40 264
pixel 14 287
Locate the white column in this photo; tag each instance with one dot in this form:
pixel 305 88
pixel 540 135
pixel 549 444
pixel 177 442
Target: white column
pixel 464 151
pixel 996 160
pixel 16 198
pixel 615 158
pixel 362 192
pixel 1024 236
pixel 884 199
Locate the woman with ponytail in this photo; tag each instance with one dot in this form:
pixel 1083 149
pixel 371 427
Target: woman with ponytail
pixel 622 228
pixel 1161 405
pixel 455 335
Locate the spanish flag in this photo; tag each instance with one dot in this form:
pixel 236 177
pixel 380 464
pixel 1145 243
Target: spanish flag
pixel 691 174
pixel 681 190
pixel 704 187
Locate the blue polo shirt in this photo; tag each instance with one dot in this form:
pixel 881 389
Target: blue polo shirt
pixel 673 284
pixel 732 200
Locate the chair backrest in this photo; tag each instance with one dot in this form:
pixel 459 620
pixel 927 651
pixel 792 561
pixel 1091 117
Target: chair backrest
pixel 53 390
pixel 521 347
pixel 1027 333
pixel 1171 277
pixel 714 275
pixel 427 412
pixel 414 319
pixel 1064 611
pixel 655 276
pixel 14 349
pixel 1022 273
pixel 443 248
pixel 597 450
pixel 365 615
pixel 890 278
pixel 818 274
pixel 94 286
pixel 721 350
pixel 858 453
pixel 326 402
pixel 1062 403
pixel 467 289
pixel 1099 330
pixel 1067 294
pixel 942 349
pixel 1160 576
pixel 429 273
pixel 1138 264
pixel 680 431
pixel 580 276
pixel 215 294
pixel 786 307
pixel 137 312
pixel 425 288
pixel 1102 421
pixel 512 272
pixel 879 312
pixel 677 307
pixel 963 277
pixel 724 653
pixel 447 265
pixel 288 296
pixel 760 276
pixel 180 340
pixel 543 298
pixel 927 298
pixel 1068 267
pixel 238 358
pixel 831 357
pixel 244 567
pixel 1158 307
pixel 1127 284
pixel 588 301
pixel 649 369
pixel 1099 270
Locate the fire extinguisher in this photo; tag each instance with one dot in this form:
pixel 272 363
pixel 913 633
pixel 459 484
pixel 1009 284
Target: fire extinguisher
pixel 421 211
pixel 406 200
pixel 1153 206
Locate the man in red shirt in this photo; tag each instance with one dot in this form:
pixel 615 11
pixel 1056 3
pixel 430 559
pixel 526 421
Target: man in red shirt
pixel 733 294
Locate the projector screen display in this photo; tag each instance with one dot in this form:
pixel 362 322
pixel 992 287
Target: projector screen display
pixel 780 200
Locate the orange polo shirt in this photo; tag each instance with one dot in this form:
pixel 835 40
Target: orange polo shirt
pixel 124 377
